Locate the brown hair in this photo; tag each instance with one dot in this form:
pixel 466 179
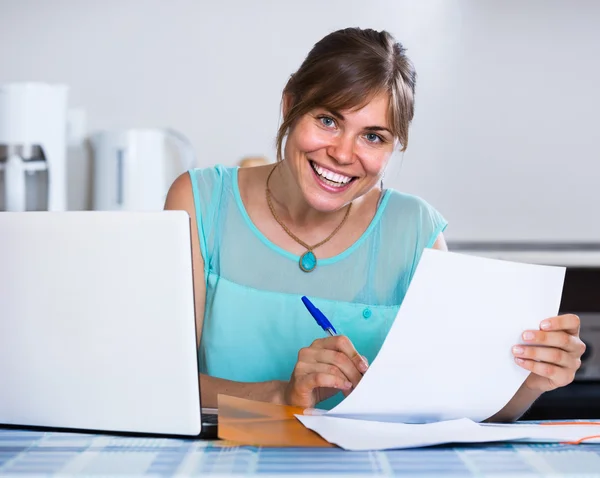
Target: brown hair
pixel 344 71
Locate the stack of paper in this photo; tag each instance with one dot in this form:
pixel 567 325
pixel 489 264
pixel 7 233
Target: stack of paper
pixel 446 363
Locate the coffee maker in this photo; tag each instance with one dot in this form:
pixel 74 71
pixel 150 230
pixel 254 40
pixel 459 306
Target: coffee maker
pixel 33 150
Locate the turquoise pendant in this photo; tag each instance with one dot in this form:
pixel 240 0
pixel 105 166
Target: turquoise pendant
pixel 308 261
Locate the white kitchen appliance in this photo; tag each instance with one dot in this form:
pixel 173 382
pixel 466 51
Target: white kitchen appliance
pixel 33 124
pixel 134 168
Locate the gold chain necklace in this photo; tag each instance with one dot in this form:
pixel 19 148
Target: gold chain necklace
pixel 308 260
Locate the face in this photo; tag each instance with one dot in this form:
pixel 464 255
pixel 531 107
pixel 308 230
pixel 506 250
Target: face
pixel 338 156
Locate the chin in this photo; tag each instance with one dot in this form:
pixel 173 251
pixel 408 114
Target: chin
pixel 325 201
pixel 321 204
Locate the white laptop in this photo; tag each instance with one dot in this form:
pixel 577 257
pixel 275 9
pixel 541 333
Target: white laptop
pixel 97 328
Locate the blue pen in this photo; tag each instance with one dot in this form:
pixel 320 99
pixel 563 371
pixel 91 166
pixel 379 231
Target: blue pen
pixel 319 317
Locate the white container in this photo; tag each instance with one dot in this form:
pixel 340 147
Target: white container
pixel 133 169
pixel 33 125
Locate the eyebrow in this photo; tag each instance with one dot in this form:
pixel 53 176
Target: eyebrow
pixel 340 116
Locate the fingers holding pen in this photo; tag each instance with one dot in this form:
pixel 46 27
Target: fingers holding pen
pixel 327 365
pixel 336 342
pixel 344 345
pixel 335 361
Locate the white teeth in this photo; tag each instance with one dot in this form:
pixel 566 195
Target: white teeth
pixel 337 178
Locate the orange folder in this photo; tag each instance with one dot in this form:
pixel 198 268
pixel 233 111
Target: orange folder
pixel 247 422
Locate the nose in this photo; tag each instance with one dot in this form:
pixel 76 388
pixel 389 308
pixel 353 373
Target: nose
pixel 342 149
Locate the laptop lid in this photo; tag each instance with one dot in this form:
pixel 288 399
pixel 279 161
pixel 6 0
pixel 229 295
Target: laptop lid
pixel 97 328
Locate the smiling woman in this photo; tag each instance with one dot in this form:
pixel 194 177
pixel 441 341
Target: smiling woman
pixel 335 158
pixel 317 223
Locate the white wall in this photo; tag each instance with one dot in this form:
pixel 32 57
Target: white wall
pixel 503 141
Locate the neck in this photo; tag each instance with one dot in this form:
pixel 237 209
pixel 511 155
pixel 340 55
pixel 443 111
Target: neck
pixel 290 204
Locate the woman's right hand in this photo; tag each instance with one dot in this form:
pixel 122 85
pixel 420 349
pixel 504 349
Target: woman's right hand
pixel 327 366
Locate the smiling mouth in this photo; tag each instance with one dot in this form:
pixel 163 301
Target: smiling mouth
pixel 329 177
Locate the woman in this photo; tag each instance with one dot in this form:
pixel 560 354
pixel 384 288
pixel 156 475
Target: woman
pixel 319 224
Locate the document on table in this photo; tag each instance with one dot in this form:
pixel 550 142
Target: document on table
pixel 363 435
pixel 448 354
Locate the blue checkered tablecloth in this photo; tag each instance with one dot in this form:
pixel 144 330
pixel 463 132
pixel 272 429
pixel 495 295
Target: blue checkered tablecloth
pixel 33 453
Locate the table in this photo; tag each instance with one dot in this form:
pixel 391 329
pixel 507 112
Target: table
pixel 24 452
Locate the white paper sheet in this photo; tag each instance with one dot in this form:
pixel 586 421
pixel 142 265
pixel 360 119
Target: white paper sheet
pixel 360 435
pixel 448 354
pixel 552 432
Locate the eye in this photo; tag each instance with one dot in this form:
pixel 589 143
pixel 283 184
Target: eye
pixel 327 121
pixel 374 138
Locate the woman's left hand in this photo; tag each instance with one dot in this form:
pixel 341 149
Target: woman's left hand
pixel 552 354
